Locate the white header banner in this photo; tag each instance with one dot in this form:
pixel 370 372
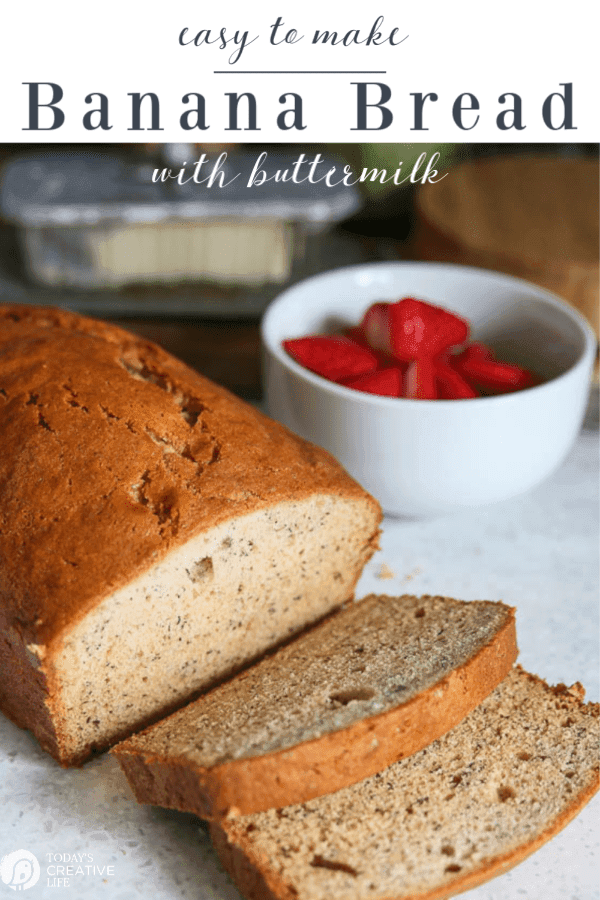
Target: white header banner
pixel 128 71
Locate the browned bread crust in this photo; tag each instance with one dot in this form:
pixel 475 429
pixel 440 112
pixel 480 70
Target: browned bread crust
pixel 76 416
pixel 469 807
pixel 113 455
pixel 449 656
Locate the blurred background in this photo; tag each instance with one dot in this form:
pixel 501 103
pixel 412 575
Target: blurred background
pixel 192 268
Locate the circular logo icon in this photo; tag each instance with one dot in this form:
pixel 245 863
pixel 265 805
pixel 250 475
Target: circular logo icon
pixel 20 870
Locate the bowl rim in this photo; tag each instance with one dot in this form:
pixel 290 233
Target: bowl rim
pixel 585 358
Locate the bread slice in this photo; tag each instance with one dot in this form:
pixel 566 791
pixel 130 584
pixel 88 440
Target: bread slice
pixel 157 534
pixel 469 807
pixel 375 682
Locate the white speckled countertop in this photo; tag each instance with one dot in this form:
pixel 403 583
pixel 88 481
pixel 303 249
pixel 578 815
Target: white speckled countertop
pixel 539 552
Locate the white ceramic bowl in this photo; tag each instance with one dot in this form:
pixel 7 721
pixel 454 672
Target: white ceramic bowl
pixel 426 457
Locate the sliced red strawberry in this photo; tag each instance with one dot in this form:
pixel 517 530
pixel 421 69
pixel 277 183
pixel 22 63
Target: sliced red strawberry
pixel 476 350
pixel 479 350
pixel 385 382
pixel 332 357
pixel 376 328
pixel 420 330
pixel 355 334
pixel 383 359
pixel 419 380
pixel 492 376
pixel 451 385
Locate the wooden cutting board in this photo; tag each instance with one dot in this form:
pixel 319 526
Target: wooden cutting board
pixel 533 216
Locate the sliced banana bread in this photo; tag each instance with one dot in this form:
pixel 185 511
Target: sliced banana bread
pixel 468 807
pixel 375 682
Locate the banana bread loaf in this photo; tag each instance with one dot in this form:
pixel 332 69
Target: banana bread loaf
pixel 156 533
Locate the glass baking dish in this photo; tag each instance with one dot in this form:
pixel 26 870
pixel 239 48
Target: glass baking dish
pixel 97 222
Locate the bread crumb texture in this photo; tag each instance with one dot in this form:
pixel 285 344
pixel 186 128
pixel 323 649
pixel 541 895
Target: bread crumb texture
pixel 384 573
pixel 121 470
pixel 453 815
